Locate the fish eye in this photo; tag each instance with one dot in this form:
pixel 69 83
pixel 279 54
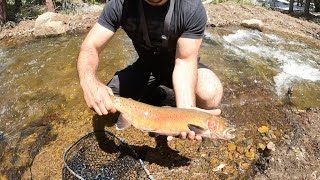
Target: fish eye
pixel 228 133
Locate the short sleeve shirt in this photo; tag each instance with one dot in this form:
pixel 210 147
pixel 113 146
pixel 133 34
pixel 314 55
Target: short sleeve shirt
pixel 188 21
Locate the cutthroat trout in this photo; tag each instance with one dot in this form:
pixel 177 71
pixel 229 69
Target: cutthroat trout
pixel 169 121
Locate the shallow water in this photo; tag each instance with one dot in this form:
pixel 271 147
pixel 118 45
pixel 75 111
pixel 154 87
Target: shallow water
pixel 40 87
pixel 278 63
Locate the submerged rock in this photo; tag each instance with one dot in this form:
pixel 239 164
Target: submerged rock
pixel 271 146
pixel 231 147
pixel 263 129
pixel 261 146
pixel 1 135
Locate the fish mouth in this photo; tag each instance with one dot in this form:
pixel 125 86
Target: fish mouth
pixel 228 133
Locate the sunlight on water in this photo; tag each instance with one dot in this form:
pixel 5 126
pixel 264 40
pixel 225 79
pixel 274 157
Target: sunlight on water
pixel 294 72
pixel 40 78
pixel 293 61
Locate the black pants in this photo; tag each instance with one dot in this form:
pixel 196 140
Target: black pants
pixel 143 77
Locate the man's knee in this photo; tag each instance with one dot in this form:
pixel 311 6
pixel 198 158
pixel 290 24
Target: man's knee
pixel 209 89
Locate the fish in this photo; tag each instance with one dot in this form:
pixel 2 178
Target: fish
pixel 170 121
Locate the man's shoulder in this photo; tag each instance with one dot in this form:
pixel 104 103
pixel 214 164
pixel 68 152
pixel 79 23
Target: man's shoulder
pixel 189 6
pixel 189 3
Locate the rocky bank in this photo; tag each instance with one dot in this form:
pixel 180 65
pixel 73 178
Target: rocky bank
pixel 219 15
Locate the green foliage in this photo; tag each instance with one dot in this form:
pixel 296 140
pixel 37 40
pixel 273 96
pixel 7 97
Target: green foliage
pixel 28 11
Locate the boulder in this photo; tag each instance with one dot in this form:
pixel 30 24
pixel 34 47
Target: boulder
pixel 50 24
pixel 253 24
pixel 90 8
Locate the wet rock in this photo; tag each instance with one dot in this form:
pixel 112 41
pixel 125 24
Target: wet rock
pixel 263 129
pixel 271 135
pixel 271 146
pixel 3 178
pixel 245 166
pixel 231 147
pixel 250 155
pixel 218 168
pixel 228 156
pixel 228 169
pixel 253 24
pixel 249 142
pixel 236 155
pixel 261 146
pixel 240 149
pixel 214 162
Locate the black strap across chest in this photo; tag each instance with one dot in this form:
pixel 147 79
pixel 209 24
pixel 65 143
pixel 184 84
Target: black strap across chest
pixel 143 25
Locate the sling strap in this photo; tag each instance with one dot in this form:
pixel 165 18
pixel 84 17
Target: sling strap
pixel 166 27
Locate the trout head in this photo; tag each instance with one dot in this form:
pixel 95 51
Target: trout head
pixel 219 130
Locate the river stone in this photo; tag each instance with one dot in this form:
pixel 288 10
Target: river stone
pixel 253 24
pixel 50 24
pixel 91 9
pixel 231 147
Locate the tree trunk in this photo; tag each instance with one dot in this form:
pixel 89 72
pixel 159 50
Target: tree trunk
pixel 306 7
pixel 18 5
pixel 316 5
pixel 291 6
pixel 3 11
pixel 50 5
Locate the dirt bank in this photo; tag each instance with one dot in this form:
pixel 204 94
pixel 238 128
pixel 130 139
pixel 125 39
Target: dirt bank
pixel 229 13
pixel 220 15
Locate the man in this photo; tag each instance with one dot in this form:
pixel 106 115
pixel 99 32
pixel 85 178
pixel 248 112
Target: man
pixel 167 35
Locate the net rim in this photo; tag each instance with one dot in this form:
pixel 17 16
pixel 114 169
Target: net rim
pixel 65 154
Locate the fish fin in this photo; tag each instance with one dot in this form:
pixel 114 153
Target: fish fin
pixel 158 133
pixel 122 123
pixel 196 129
pixel 152 134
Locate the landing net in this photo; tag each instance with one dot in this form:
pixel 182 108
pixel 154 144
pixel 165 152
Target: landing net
pixel 102 155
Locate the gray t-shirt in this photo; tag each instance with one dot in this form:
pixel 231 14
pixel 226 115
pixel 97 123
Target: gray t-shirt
pixel 188 21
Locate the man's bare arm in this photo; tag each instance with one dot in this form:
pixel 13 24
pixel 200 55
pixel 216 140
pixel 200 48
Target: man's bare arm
pixel 185 75
pixel 95 92
pixel 185 72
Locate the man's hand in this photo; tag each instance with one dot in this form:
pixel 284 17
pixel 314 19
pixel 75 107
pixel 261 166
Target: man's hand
pixel 97 96
pixel 191 135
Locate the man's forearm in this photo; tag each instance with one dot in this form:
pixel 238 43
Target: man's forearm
pixel 88 59
pixel 87 63
pixel 184 83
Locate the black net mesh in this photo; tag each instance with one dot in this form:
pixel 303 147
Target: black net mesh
pixel 101 155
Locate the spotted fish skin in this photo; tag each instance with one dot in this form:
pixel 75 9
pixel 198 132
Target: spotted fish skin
pixel 169 120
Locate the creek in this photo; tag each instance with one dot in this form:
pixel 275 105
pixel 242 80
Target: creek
pixel 259 71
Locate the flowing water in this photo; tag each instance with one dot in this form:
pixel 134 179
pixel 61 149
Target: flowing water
pixel 39 88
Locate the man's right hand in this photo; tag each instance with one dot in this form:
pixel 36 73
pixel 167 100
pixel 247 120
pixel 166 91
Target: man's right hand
pixel 97 96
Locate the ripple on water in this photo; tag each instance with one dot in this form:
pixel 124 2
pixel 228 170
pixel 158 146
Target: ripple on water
pixel 294 72
pixel 293 63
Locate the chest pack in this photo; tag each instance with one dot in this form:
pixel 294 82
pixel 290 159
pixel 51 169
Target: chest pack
pixel 135 25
